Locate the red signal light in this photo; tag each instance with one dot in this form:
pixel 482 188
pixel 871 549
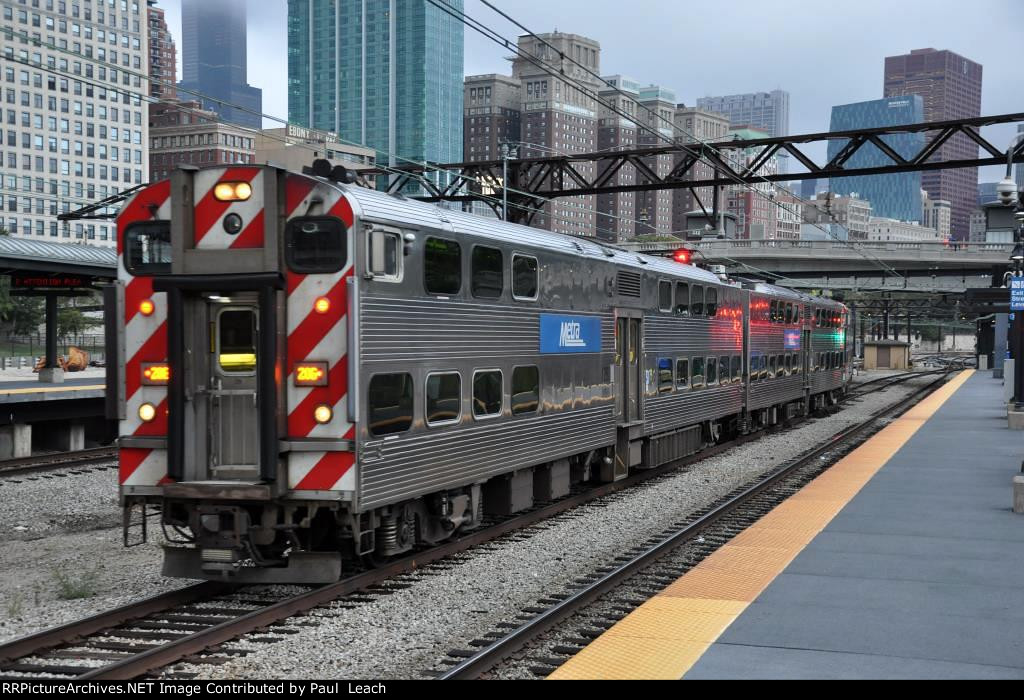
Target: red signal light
pixel 682 256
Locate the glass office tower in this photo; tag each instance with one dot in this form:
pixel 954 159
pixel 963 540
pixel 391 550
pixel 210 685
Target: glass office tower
pixel 382 73
pixel 894 196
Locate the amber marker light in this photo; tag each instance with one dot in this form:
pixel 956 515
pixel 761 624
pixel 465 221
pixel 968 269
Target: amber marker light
pixel 147 412
pixel 147 307
pixel 323 414
pixel 311 374
pixel 322 305
pixel 232 191
pixel 156 374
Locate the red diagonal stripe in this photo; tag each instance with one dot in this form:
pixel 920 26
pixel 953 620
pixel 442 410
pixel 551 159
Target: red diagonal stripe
pixel 294 279
pixel 343 210
pixel 153 350
pixel 300 418
pixel 296 189
pixel 138 289
pixel 129 460
pixel 252 236
pixel 315 326
pixel 139 209
pixel 325 473
pixel 210 209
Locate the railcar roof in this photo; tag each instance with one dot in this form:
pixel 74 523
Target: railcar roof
pixel 376 205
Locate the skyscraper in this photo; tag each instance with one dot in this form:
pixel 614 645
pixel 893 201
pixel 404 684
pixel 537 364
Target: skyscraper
pixel 894 196
pixel 162 62
pixel 950 86
pixel 560 118
pixel 764 111
pixel 213 60
pixel 383 73
pixel 74 138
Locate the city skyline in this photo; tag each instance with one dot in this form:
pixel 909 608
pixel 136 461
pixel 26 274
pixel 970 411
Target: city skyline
pixel 849 74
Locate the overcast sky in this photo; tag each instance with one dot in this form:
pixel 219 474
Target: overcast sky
pixel 824 53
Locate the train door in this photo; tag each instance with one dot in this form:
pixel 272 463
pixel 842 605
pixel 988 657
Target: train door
pixel 629 368
pixel 234 420
pixel 220 397
pixel 630 376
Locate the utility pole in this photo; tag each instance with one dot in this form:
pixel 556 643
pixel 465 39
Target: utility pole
pixel 506 153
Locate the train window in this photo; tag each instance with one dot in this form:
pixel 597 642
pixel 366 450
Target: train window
pixel 487 280
pixel 773 310
pixel 712 371
pixel 390 404
pixel 723 370
pixel 487 391
pixel 798 363
pixel 682 373
pixel 442 266
pixel 737 368
pixel 525 390
pixel 524 277
pixel 697 300
pixel 315 244
pixel 711 302
pixel 444 398
pixel 384 254
pixel 664 296
pixel 697 373
pixel 682 299
pixel 790 313
pixel 665 381
pixel 771 366
pixel 781 371
pixel 236 341
pixel 147 248
pixel 789 363
pixel 753 368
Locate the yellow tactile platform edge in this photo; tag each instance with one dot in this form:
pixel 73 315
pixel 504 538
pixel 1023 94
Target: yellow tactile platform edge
pixel 665 636
pixel 51 389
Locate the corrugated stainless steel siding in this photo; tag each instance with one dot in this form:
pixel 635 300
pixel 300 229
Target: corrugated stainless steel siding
pixel 681 408
pixel 692 336
pixel 416 464
pixel 396 329
pixel 769 392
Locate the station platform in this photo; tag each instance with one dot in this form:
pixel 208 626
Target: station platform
pixel 30 390
pixel 904 560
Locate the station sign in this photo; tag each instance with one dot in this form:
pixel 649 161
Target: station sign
pixel 1017 293
pixel 41 281
pixel 569 334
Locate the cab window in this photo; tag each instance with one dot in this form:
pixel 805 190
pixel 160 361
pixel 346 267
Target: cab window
pixel 147 248
pixel 315 244
pixel 236 341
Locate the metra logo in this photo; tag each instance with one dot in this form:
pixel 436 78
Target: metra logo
pixel 571 337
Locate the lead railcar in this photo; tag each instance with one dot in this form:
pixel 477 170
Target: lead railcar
pixel 313 372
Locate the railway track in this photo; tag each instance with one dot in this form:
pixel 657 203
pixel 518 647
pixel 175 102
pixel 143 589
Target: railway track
pixel 142 638
pixel 732 514
pixel 61 462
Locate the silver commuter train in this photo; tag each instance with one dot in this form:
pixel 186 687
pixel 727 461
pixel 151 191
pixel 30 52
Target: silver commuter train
pixel 367 374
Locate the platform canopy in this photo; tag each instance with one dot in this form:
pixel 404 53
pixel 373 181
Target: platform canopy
pixel 26 255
